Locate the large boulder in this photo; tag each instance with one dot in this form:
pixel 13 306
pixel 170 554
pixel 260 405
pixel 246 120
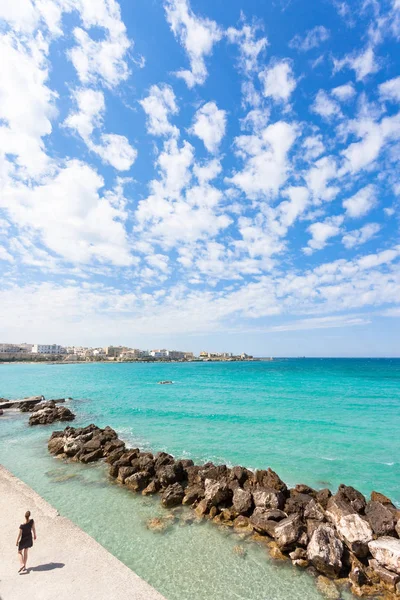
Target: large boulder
pixel 169 474
pixel 381 518
pixel 193 493
pixel 352 529
pixel 322 497
pixel 353 497
pixel 297 503
pixel 356 533
pixel 240 474
pixel 314 510
pixel 48 415
pixel 386 551
pixel 268 498
pixel 172 496
pixel 288 531
pixel 92 456
pixel 138 481
pixel 262 523
pixel 270 479
pixel 217 492
pixel 56 445
pixel 242 501
pixel 325 551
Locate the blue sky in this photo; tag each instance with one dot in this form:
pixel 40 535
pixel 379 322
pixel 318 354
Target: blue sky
pixel 177 174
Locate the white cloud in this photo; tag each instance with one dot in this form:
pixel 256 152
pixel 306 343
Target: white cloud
pixel 374 137
pixel 249 46
pixel 360 236
pixel 104 60
pixel 318 177
pixel 297 204
pixel 321 323
pixel 27 104
pixel 344 92
pixel 266 160
pixel 363 64
pixel 390 90
pixel 115 150
pixel 112 148
pixel 209 125
pixel 196 34
pixel 313 146
pixel 322 232
pixel 82 225
pixel 313 38
pixel 158 105
pixel 324 106
pixel 278 81
pixel 361 203
pixel 5 255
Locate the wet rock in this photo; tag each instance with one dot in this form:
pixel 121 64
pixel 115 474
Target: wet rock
pixel 242 502
pixel 72 447
pixel 138 481
pixel 49 415
pixel 337 508
pixel 193 494
pixel 378 497
pixel 275 552
pixel 322 497
pixel 159 525
pixel 240 474
pixel 388 577
pixel 359 575
pixel 92 444
pixel 355 532
pixel 56 445
pixel 123 473
pixel 92 456
pixel 217 492
pixel 397 527
pixel 325 551
pixel 161 459
pixel 192 475
pixel 261 523
pixel 275 514
pixel 353 497
pixel 386 551
pixel 153 487
pixel 172 496
pixel 297 503
pixel 242 523
pixel 114 456
pixel 202 508
pixel 380 518
pixel 327 588
pixel 313 510
pixel 288 531
pixel 169 474
pixel 146 463
pixel 268 498
pixel 297 554
pixel 270 479
pixel 113 446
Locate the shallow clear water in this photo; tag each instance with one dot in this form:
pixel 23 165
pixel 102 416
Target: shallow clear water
pixel 320 422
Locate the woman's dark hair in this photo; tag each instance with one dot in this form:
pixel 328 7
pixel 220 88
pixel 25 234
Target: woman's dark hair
pixel 27 515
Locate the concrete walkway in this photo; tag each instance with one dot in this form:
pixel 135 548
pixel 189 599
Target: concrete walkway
pixel 64 562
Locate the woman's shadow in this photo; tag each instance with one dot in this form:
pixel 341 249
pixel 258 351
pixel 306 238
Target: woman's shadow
pixel 47 567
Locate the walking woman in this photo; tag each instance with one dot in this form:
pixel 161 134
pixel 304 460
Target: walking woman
pixel 24 540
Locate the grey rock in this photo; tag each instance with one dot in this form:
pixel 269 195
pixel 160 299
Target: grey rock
pixel 325 551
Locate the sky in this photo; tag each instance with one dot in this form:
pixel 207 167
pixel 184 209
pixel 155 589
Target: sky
pixel 201 174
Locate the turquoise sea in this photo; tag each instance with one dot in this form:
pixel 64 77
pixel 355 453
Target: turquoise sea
pixel 315 421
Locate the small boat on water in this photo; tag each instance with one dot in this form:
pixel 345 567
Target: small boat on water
pixel 165 382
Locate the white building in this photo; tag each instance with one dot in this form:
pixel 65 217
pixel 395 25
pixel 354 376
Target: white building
pixel 159 353
pixel 48 349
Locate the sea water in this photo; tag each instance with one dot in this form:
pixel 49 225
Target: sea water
pixel 320 422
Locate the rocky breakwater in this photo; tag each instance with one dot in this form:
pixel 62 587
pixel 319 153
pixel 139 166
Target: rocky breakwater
pixel 46 413
pixel 342 539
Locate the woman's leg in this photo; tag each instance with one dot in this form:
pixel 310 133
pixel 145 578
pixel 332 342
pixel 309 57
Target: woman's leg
pixel 25 556
pixel 21 558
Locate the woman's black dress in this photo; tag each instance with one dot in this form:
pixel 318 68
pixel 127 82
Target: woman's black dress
pixel 26 538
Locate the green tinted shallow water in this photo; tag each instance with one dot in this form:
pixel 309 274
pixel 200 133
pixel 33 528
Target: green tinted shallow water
pixel 320 422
